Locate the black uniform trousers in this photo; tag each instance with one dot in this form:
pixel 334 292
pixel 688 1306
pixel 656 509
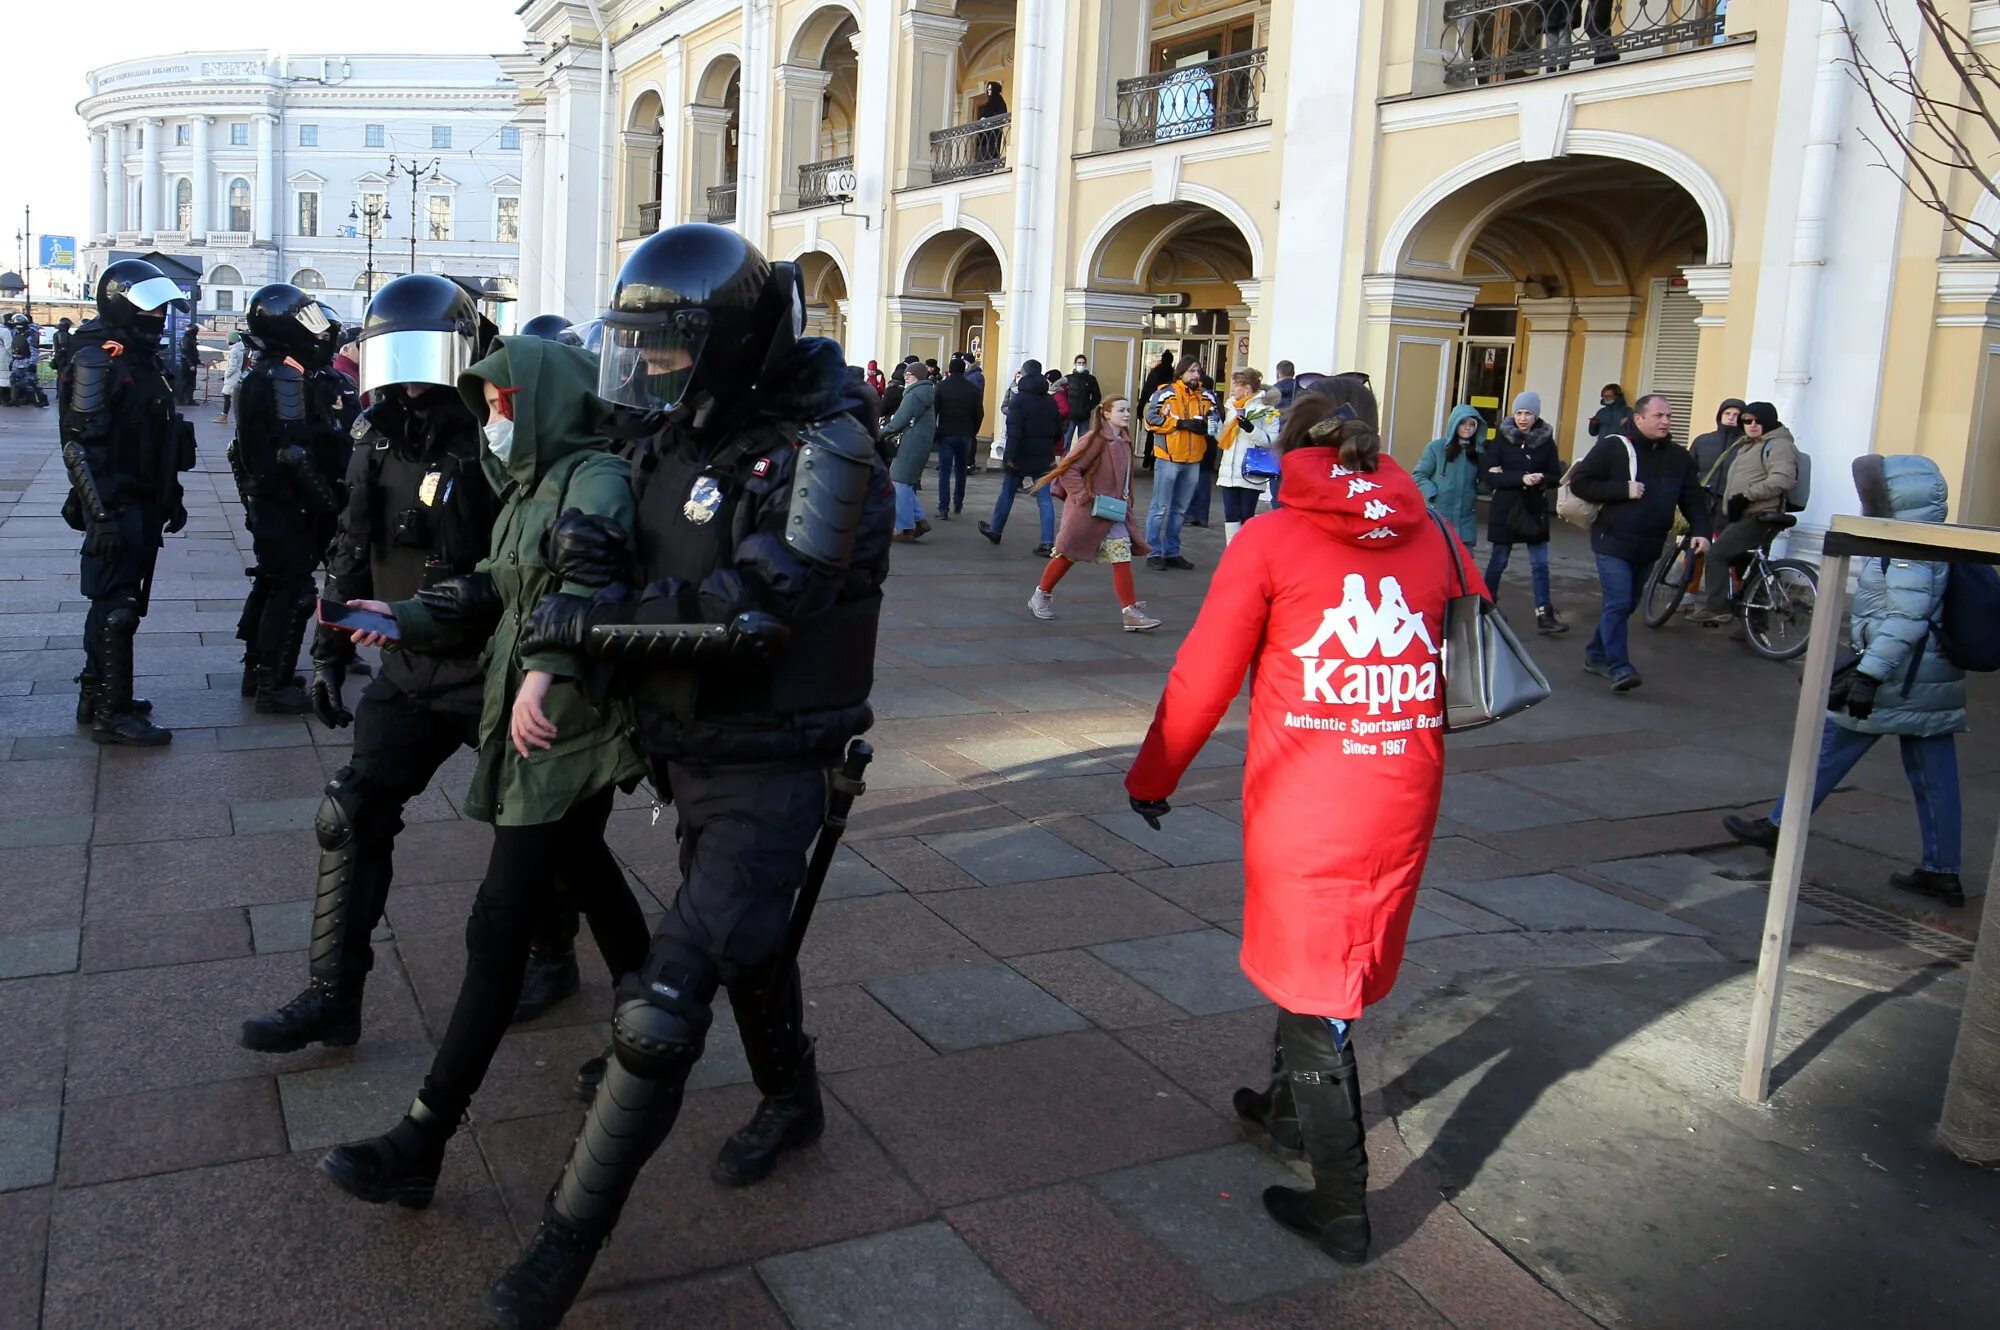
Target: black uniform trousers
pixel 399 743
pixel 121 580
pixel 288 542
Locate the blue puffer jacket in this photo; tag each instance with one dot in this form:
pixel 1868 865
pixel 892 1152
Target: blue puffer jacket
pixel 1895 607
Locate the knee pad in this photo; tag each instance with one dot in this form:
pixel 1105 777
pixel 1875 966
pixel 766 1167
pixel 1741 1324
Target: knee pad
pixel 665 1011
pixel 334 822
pixel 122 615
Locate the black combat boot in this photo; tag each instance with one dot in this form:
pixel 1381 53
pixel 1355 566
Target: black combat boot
pixel 400 1166
pixel 771 1020
pixel 1327 1088
pixel 327 1012
pixel 551 978
pixel 537 1290
pixel 115 720
pixel 1944 888
pixel 280 696
pixel 253 667
pixel 1271 1109
pixel 281 630
pixel 86 698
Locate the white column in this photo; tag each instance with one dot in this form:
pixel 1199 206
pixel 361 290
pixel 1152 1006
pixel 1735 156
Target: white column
pixel 1545 326
pixel 797 94
pixel 149 178
pixel 673 57
pixel 203 180
pixel 98 223
pixel 870 282
pixel 1039 169
pixel 114 180
pixel 265 186
pixel 578 176
pixel 534 293
pixel 754 120
pixel 1607 326
pixel 709 148
pixel 1312 215
pixel 932 80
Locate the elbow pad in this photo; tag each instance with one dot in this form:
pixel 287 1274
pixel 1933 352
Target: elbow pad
pixel 288 395
pixel 830 479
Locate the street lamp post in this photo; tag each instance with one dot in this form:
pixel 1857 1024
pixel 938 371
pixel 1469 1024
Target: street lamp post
pixel 435 166
pixel 371 219
pixel 27 239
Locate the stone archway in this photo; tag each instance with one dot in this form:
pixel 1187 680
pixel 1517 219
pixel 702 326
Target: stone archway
pixel 825 282
pixel 712 123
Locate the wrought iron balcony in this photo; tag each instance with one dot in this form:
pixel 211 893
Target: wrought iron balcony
pixel 1192 100
pixel 649 217
pixel 976 148
pixel 815 180
pixel 722 203
pixel 1488 41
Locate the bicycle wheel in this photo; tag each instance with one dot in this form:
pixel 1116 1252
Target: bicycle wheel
pixel 1667 585
pixel 1778 608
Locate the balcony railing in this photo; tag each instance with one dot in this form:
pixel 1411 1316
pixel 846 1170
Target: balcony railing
pixel 1488 41
pixel 1192 100
pixel 722 202
pixel 231 239
pixel 649 217
pixel 816 180
pixel 977 148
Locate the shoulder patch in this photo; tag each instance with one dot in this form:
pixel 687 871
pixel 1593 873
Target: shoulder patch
pixel 763 467
pixel 361 430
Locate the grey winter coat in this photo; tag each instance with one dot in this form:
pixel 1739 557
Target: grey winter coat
pixel 915 428
pixel 1896 602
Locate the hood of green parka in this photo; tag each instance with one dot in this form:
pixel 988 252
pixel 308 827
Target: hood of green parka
pixel 556 412
pixel 1462 413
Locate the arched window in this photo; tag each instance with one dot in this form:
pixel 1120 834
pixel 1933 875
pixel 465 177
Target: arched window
pixel 308 279
pixel 239 204
pixel 223 275
pixel 184 204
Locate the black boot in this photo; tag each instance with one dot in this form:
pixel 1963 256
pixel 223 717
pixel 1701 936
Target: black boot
pixel 279 696
pixel 253 667
pixel 115 720
pixel 1271 1109
pixel 538 1289
pixel 1548 622
pixel 325 1013
pixel 1944 888
pixel 1759 831
pixel 771 1020
pixel 400 1166
pixel 86 698
pixel 550 979
pixel 281 631
pixel 1327 1088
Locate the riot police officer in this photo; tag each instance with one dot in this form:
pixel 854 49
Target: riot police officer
pixel 287 452
pixel 124 447
pixel 550 327
pixel 764 521
pixel 418 512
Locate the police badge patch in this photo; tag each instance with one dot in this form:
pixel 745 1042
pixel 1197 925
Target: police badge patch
pixel 427 489
pixel 704 501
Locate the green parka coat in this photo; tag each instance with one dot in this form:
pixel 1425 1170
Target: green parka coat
pixel 558 460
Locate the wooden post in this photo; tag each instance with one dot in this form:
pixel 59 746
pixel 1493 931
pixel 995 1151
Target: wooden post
pixel 1829 630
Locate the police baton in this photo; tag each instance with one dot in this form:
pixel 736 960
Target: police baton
pixel 846 786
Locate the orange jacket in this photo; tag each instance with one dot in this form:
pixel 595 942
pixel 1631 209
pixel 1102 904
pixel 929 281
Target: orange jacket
pixel 1175 416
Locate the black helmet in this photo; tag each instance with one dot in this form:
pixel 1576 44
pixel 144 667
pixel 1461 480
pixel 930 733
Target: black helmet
pixel 420 328
pixel 548 327
pixel 63 322
pixel 696 311
pixel 132 289
pixel 283 320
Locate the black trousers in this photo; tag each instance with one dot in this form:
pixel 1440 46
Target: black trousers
pixel 287 543
pixel 121 580
pixel 516 893
pixel 1731 543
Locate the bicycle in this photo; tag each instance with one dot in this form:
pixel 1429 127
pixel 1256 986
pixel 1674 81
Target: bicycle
pixel 1774 599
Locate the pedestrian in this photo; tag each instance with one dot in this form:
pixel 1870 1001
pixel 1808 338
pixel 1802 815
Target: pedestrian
pixel 893 398
pixel 1096 472
pixel 1447 475
pixel 1903 684
pixel 1708 451
pixel 1082 394
pixel 1249 420
pixel 59 357
pixel 1521 468
pixel 1760 475
pixel 1347 583
pixel 190 362
pixel 1059 394
pixel 914 429
pixel 1034 429
pixel 123 447
pixel 975 373
pixel 875 378
pixel 986 143
pixel 552 751
pixel 1632 526
pixel 1158 377
pixel 234 363
pixel 1287 385
pixel 747 726
pixel 1612 416
pixel 1180 418
pixel 961 410
pixel 1211 461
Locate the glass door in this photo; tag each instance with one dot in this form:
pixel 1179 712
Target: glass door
pixel 1484 376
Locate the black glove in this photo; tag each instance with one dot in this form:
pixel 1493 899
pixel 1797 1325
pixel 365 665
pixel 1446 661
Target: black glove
pixel 325 695
pixel 1151 809
pixel 587 549
pixel 101 540
pixel 177 516
pixel 467 598
pixel 1737 506
pixel 560 623
pixel 1861 696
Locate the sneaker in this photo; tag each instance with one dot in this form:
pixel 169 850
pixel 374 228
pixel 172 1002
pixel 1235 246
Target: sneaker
pixel 1548 622
pixel 1707 618
pixel 944 514
pixel 1596 667
pixel 1043 604
pixel 1177 561
pixel 1136 620
pixel 1156 563
pixel 1626 682
pixel 989 533
pixel 1759 831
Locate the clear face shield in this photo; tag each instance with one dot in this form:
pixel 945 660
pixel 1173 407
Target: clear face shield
pixel 419 355
pixel 647 361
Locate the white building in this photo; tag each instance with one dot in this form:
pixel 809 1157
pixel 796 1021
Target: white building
pixel 254 167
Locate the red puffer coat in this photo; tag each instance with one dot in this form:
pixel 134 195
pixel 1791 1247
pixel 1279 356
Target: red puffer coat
pixel 1337 602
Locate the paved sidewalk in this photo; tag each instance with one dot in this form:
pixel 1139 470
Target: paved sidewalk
pixel 1027 1002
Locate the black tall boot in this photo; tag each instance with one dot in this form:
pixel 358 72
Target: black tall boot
pixel 86 698
pixel 280 632
pixel 115 721
pixel 782 1064
pixel 1271 1109
pixel 399 1166
pixel 1327 1089
pixel 552 974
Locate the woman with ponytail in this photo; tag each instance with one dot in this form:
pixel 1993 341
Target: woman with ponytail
pixel 1334 605
pixel 1094 481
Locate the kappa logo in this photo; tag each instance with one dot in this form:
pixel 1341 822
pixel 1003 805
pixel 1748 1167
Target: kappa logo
pixel 1383 628
pixel 1375 510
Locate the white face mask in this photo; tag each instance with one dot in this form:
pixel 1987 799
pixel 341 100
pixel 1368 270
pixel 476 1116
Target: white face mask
pixel 500 438
pixel 1080 367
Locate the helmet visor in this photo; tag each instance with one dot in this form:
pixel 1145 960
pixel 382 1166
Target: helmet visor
pixel 414 356
pixel 647 363
pixel 313 319
pixel 154 293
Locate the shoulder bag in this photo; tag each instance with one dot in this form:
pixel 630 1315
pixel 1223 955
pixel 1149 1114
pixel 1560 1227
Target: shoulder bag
pixel 1103 505
pixel 1488 674
pixel 1582 512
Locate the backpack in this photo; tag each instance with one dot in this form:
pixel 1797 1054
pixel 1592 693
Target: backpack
pixel 1800 494
pixel 1969 619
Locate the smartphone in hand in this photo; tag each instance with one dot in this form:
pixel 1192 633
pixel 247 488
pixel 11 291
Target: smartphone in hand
pixel 348 619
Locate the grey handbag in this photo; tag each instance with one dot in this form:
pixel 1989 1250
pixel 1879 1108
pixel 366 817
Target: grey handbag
pixel 1488 674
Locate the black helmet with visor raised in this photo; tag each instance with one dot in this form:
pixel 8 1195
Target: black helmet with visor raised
pixel 684 319
pixel 133 291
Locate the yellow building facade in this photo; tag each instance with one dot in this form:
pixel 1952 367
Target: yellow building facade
pixel 1461 198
